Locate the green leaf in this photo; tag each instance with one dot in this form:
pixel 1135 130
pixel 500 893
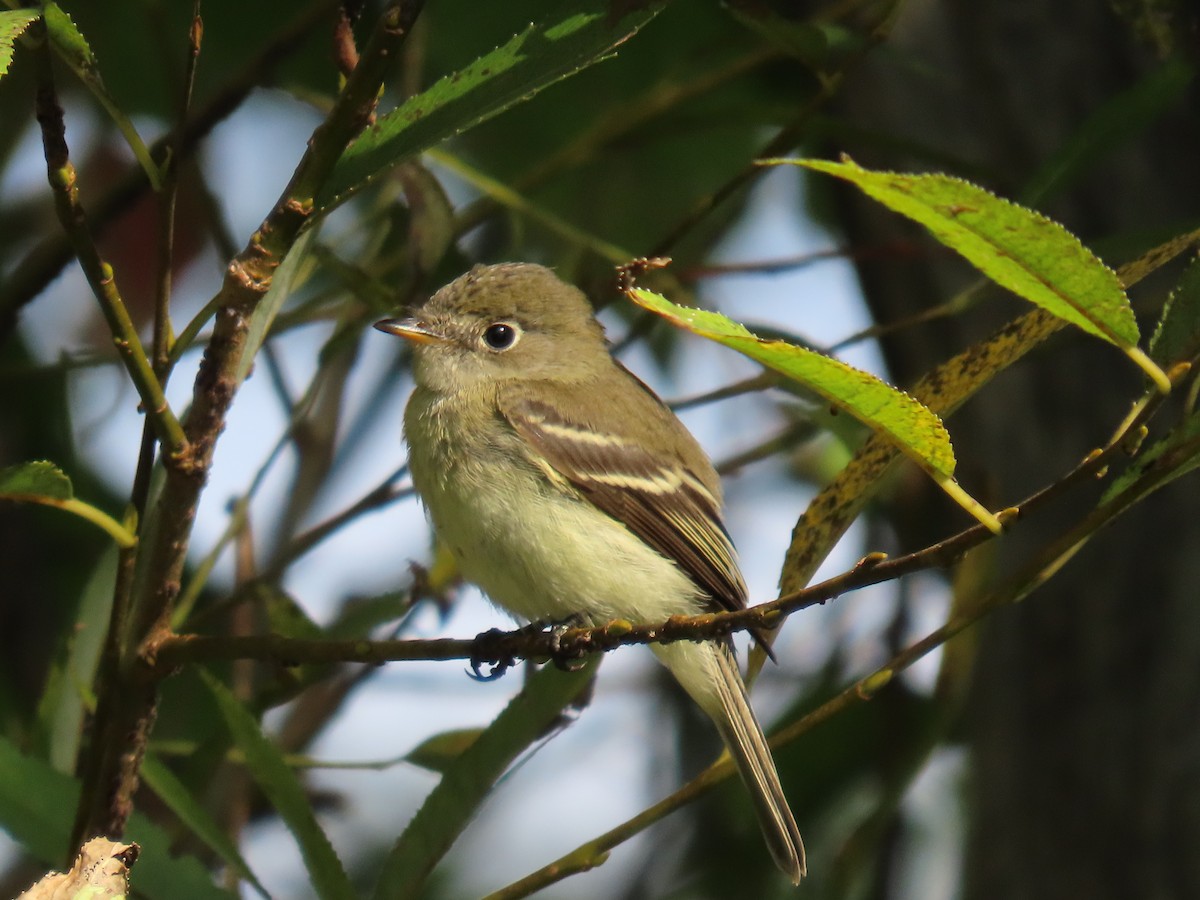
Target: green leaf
pixel 12 25
pixel 35 479
pixel 1017 248
pixel 43 482
pixel 37 810
pixel 456 799
pixel 1175 455
pixel 279 783
pixel 916 429
pixel 175 794
pixel 1177 337
pixel 66 699
pixel 538 57
pixel 75 51
pixel 292 273
pixel 439 752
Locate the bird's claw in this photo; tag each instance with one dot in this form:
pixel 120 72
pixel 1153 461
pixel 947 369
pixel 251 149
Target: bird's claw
pixel 565 659
pixel 490 652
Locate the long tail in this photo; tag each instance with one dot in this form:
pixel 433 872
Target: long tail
pixel 709 673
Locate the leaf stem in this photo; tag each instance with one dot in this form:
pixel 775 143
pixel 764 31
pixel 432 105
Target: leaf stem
pixel 1150 367
pixel 967 502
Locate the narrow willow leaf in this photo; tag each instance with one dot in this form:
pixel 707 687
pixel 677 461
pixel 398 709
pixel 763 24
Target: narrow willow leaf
pixel 1175 455
pixel 1156 257
pixel 37 811
pixel 191 812
pixel 469 778
pixel 915 428
pixel 281 786
pixel 75 51
pixel 66 699
pixel 289 277
pixel 1019 249
pixel 13 23
pixel 1177 337
pixel 533 60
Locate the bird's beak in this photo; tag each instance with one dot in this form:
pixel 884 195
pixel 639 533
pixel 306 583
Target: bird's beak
pixel 411 329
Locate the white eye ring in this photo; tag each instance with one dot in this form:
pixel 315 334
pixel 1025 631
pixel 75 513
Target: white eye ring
pixel 501 336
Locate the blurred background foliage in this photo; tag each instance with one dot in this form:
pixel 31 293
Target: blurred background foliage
pixel 1055 753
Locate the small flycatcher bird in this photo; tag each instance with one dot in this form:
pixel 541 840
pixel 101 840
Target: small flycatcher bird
pixel 566 490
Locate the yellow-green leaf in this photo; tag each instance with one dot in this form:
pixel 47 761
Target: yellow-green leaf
pixel 13 23
pixel 438 752
pixel 1019 249
pixel 916 429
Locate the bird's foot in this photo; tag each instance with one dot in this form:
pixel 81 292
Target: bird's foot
pixel 492 655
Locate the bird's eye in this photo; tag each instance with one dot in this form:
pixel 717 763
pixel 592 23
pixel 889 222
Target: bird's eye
pixel 501 335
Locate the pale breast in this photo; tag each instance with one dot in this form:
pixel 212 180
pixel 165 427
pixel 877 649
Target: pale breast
pixel 535 548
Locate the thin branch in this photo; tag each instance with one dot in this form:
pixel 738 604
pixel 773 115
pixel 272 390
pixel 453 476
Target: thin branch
pixel 44 262
pixel 502 649
pixel 595 852
pixel 126 715
pixel 943 390
pixel 62 176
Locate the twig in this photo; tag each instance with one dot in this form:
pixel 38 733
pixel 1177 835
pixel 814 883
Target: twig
pixel 42 264
pixel 62 176
pixel 125 716
pixel 502 648
pixel 595 852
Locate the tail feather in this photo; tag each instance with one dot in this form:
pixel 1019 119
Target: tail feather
pixel 709 673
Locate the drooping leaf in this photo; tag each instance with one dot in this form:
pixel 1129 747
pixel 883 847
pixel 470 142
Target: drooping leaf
pixel 35 479
pixel 536 58
pixel 464 786
pixel 279 783
pixel 1019 249
pixel 74 49
pixel 914 428
pixel 1177 337
pixel 13 23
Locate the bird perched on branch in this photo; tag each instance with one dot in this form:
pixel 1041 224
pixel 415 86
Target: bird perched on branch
pixel 566 490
